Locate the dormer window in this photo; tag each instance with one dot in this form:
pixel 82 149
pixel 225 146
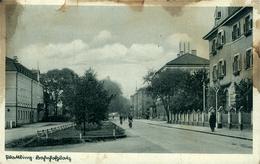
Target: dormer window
pixel 218 15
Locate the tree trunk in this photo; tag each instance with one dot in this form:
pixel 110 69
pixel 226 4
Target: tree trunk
pixel 166 107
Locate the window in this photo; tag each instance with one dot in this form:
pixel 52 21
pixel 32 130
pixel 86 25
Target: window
pixel 236 64
pixel 213 47
pixel 248 58
pixel 218 15
pixel 214 73
pixel 236 31
pixel 248 25
pixel 221 68
pixel 221 39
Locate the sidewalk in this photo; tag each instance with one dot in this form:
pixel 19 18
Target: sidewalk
pixel 234 133
pixel 29 129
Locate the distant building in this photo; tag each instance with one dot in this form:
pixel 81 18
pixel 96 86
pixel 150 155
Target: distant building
pixel 188 61
pixel 141 104
pixel 23 94
pixel 230 49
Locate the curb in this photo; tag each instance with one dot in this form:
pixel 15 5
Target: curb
pixel 219 134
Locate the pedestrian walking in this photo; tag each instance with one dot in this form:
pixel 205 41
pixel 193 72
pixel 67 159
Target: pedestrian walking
pixel 130 120
pixel 121 119
pixel 212 121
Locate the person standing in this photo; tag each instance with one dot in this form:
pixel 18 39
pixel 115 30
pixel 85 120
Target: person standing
pixel 212 121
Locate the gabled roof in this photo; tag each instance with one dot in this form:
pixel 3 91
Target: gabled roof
pixel 188 60
pixel 233 14
pixel 12 65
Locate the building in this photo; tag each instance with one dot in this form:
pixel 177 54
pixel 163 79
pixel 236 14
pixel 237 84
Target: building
pixel 141 104
pixel 23 94
pixel 188 61
pixel 230 50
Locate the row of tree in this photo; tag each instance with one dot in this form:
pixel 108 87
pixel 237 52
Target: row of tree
pixel 182 91
pixel 178 90
pixel 85 99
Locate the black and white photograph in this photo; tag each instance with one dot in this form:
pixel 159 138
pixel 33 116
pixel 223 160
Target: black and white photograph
pixel 129 79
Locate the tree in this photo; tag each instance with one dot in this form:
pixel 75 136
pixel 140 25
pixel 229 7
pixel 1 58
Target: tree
pixel 59 85
pixel 178 90
pixel 244 91
pixel 118 103
pixel 91 100
pixel 167 86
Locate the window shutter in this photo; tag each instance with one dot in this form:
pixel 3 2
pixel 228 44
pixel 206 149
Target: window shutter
pixel 244 27
pixel 239 62
pixel 245 61
pixel 224 67
pixel 233 65
pixel 239 29
pixel 224 38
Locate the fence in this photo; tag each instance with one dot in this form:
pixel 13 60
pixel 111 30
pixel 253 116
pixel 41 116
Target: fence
pixel 45 133
pixel 230 119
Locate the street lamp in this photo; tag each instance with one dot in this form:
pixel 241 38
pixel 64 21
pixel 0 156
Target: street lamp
pixel 216 88
pixel 204 96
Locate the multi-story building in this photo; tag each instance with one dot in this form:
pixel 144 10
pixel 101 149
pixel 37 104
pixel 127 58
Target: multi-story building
pixel 141 104
pixel 230 49
pixel 23 94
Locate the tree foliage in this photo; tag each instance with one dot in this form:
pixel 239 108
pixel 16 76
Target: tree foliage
pixel 118 103
pixel 91 100
pixel 178 90
pixel 244 91
pixel 59 85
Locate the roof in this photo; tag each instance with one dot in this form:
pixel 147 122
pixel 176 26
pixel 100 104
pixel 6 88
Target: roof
pixel 12 65
pixel 234 14
pixel 188 60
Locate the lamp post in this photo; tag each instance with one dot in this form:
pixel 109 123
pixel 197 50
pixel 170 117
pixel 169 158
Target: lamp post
pixel 216 92
pixel 204 96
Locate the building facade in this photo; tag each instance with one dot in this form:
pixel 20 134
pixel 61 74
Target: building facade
pixel 142 104
pixel 23 94
pixel 230 50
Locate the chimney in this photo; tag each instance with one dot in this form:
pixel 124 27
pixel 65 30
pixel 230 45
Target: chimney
pixel 15 59
pixel 194 52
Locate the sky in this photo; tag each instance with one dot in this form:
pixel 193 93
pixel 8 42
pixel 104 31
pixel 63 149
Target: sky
pixel 117 42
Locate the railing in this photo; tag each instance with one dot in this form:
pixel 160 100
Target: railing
pixel 45 133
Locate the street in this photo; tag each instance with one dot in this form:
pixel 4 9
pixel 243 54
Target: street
pixel 146 138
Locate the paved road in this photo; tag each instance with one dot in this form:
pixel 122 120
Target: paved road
pixel 146 138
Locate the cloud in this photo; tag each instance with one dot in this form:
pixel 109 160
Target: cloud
pixel 60 50
pixel 102 37
pixel 144 52
pixel 112 59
